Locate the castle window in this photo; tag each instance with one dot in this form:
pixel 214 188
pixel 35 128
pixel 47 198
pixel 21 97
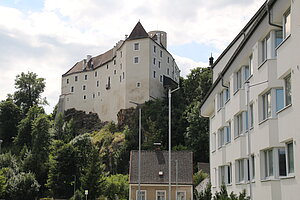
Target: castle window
pixel 136 46
pixel 85 77
pixel 84 96
pixel 115 71
pixel 120 78
pixel 168 59
pixel 154 74
pixel 123 75
pixel 97 83
pixel 161 53
pixel 107 66
pixel 158 64
pixel 72 89
pixel 154 61
pixel 83 87
pixel 154 49
pixel 114 62
pixel 121 66
pixel 67 81
pixel 93 95
pixel 76 78
pixel 161 78
pixel 98 93
pixel 168 71
pixel 138 84
pixel 121 54
pixel 96 73
pixel 136 60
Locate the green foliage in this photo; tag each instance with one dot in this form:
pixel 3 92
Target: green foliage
pixel 77 196
pixel 22 186
pixel 29 89
pixel 204 195
pixel 198 177
pixel 116 185
pixel 3 182
pixel 62 168
pixel 9 118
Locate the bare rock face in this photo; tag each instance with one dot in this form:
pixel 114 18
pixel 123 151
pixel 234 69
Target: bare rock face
pixel 84 122
pixel 126 116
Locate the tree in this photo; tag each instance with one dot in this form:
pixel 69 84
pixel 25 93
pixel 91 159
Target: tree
pixel 116 186
pixel 29 89
pixel 62 168
pixel 9 119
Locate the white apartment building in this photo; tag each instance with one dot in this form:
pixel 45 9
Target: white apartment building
pixel 131 71
pixel 266 53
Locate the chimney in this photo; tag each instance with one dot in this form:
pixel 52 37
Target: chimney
pixel 211 61
pixel 126 36
pixel 84 64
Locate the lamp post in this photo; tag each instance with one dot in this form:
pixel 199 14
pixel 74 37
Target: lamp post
pixel 139 155
pixel 170 95
pixel 247 87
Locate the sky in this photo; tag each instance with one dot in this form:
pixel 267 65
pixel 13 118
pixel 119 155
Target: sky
pixel 48 37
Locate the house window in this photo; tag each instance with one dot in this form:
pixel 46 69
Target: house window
pixel 85 77
pixel 154 49
pixel 221 141
pixel 213 142
pixel 97 83
pixel 278 38
pixel 279 99
pixel 154 74
pixel 76 78
pixel 290 157
pixel 266 48
pixel 225 174
pixel 239 121
pixel 136 46
pixel 180 195
pixel 227 94
pixel 282 161
pixel 96 73
pixel 266 105
pixel 154 61
pixel 67 81
pixel 83 87
pixel 143 195
pixel 227 131
pixel 253 168
pixel 287 24
pixel 240 170
pixel 160 195
pixel 221 175
pixel 288 90
pixel 251 115
pixel 84 96
pixel 72 89
pixel 136 60
pixel 238 80
pixel 158 64
pixel 268 161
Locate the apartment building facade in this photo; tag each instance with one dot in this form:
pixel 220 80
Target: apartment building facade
pixel 132 70
pixel 254 106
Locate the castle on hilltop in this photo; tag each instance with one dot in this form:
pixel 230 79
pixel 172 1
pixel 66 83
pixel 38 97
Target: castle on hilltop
pixel 132 70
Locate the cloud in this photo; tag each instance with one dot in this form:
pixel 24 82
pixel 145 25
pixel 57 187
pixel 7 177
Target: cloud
pixel 51 40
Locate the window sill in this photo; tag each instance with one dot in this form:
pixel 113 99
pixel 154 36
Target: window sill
pixel 213 151
pixel 259 66
pixel 241 183
pixel 287 177
pixel 237 90
pixel 248 78
pixel 286 107
pixel 263 121
pixel 227 101
pixel 282 42
pixel 269 179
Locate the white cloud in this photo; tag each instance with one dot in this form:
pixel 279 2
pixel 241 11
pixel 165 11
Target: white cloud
pixel 51 40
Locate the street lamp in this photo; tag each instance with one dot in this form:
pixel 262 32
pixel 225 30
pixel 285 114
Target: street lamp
pixel 247 88
pixel 139 156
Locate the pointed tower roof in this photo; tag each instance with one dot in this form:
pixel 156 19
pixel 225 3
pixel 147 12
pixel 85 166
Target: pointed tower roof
pixel 138 32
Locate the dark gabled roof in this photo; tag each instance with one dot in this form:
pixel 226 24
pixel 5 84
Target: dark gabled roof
pixel 152 162
pixel 138 32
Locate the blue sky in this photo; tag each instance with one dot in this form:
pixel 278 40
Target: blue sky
pixel 49 36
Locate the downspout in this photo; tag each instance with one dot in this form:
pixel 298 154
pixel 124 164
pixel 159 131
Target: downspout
pixel 269 16
pixel 223 83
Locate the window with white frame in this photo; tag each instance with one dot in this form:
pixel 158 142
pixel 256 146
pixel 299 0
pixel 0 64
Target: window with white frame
pixel 253 168
pixel 240 123
pixel 136 59
pixel 221 140
pixel 268 162
pixel 251 115
pixel 160 195
pixel 213 142
pixel 290 157
pixel 227 94
pixel 282 162
pixel 287 23
pixel 266 45
pixel 279 99
pixel 238 80
pixel 136 46
pixel 227 133
pixel 251 64
pixel 246 72
pixel 180 195
pixel 143 195
pixel 220 100
pixel 240 170
pixel 266 105
pixel 225 174
pixel 288 90
pixel 278 38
